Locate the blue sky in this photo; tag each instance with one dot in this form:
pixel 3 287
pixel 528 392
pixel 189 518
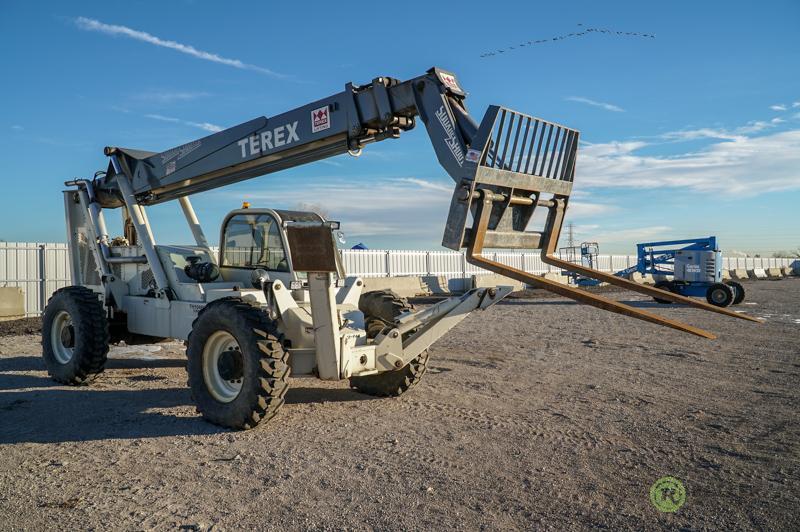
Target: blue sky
pixel 694 132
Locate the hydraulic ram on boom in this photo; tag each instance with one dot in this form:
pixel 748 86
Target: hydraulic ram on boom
pixel 504 169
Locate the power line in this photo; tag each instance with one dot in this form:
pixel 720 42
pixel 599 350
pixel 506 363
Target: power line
pixel 583 32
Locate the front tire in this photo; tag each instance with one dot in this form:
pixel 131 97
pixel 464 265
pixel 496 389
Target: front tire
pixel 664 285
pixel 381 308
pixel 720 295
pixel 238 369
pixel 74 336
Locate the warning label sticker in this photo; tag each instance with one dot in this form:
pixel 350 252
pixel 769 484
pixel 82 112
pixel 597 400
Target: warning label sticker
pixel 320 119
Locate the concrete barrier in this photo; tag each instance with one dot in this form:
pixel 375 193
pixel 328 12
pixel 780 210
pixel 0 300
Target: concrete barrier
pixel 636 277
pixel 12 303
pixel 556 276
pixel 646 278
pixel 787 271
pixel 726 275
pixel 407 286
pixel 757 273
pixel 739 274
pixel 774 273
pixel 436 284
pixel 441 284
pixel 492 279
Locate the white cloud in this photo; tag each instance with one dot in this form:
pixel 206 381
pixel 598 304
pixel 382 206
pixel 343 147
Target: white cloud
pixel 90 24
pixel 795 104
pixel 405 211
pixel 740 164
pixel 422 183
pixel 625 236
pixel 398 206
pixel 17 127
pixel 201 125
pixel 581 209
pixel 702 133
pixel 738 133
pixel 753 127
pixel 736 253
pixel 582 229
pixel 779 107
pixel 602 105
pixel 614 147
pixel 160 96
pixel 339 194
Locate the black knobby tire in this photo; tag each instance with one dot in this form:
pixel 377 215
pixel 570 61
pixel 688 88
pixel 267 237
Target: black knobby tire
pixel 260 364
pixel 738 291
pixel 720 295
pixel 74 335
pixel 664 285
pixel 380 309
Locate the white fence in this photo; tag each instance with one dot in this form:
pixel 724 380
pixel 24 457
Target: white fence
pixel 42 268
pixel 39 269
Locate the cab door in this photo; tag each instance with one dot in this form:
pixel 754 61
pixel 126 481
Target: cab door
pixel 252 240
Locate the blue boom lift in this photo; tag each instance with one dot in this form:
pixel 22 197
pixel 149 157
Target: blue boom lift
pixel 695 268
pixel 694 265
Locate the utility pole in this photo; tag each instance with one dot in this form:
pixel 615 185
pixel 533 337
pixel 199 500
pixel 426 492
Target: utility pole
pixel 570 235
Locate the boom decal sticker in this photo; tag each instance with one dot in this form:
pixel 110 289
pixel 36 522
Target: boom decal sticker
pixel 320 119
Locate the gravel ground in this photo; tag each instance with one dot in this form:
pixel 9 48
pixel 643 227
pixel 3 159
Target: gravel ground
pixel 538 413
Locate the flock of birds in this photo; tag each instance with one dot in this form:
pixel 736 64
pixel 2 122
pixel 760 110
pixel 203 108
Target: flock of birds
pixel 583 31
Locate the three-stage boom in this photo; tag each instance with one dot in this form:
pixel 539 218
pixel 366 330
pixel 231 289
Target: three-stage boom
pixel 502 167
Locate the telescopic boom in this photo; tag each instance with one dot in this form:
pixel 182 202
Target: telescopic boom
pixel 504 169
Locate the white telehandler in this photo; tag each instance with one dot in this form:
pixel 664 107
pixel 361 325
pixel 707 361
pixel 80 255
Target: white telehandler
pixel 275 299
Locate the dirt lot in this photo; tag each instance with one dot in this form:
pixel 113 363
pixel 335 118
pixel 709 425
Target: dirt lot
pixel 538 413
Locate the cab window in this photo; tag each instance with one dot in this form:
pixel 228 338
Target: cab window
pixel 254 241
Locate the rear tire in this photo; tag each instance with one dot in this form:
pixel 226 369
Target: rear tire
pixel 720 295
pixel 238 369
pixel 664 285
pixel 74 336
pixel 380 309
pixel 738 291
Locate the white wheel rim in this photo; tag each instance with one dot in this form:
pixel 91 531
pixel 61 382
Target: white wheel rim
pixel 220 389
pixel 60 330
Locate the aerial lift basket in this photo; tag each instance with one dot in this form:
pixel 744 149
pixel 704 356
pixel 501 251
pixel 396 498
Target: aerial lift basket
pixel 521 164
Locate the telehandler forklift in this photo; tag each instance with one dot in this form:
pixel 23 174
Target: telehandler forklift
pixel 275 299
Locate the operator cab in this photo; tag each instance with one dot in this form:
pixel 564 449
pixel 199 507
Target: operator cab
pixel 253 239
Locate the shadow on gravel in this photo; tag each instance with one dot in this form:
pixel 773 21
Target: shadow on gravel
pixel 35 363
pixel 533 302
pixel 59 414
pixel 53 413
pixel 547 303
pixel 649 303
pixel 324 395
